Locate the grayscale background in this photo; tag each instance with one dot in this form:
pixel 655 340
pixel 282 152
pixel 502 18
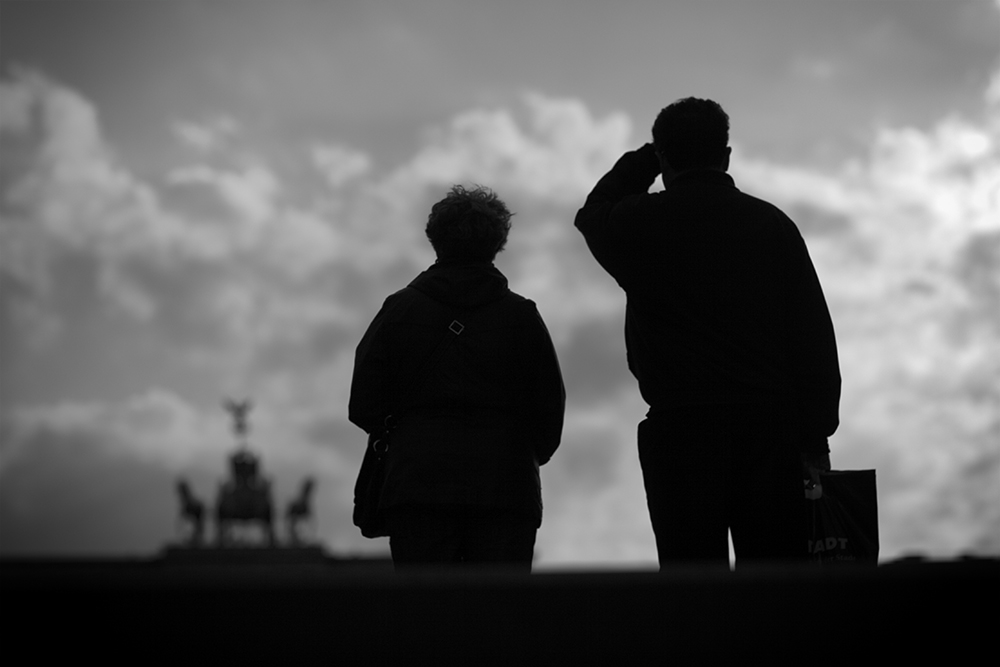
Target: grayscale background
pixel 211 199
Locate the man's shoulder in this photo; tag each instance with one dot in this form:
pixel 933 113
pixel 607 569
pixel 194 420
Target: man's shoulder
pixel 761 211
pixel 762 205
pixel 694 190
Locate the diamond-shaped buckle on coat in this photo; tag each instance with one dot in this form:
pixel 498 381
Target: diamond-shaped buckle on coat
pixel 456 327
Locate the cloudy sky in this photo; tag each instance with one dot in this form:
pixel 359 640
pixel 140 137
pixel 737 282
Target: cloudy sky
pixel 211 199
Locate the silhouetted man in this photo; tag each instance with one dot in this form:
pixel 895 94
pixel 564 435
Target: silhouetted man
pixel 729 335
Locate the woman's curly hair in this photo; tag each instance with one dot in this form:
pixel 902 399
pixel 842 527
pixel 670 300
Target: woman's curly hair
pixel 469 224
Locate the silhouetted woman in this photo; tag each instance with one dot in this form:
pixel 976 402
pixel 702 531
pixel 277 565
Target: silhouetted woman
pixel 482 394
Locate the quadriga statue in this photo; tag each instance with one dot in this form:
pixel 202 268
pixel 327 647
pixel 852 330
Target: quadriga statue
pixel 244 498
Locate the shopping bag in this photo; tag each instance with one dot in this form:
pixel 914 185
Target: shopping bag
pixel 842 518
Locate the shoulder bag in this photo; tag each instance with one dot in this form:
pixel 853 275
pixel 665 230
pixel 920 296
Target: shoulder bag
pixel 371 477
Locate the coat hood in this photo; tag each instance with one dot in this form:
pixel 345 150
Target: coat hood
pixel 462 285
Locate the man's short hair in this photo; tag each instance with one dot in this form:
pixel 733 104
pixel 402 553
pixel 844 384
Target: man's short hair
pixel 692 133
pixel 469 225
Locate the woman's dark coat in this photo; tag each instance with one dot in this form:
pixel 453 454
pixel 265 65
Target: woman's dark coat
pixel 491 410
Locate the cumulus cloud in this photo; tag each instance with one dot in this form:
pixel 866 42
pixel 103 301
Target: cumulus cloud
pixel 945 182
pixel 340 164
pixel 206 137
pixel 74 189
pixel 162 429
pixel 814 68
pixel 557 157
pixel 156 424
pixel 251 191
pixel 71 195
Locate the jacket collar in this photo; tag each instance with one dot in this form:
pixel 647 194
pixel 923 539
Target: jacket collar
pixel 462 284
pixel 712 176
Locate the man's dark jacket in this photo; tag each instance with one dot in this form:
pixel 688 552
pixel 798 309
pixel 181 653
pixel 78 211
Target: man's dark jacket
pixel 491 410
pixel 724 305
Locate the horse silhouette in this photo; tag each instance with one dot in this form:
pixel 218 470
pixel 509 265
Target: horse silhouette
pixel 192 513
pixel 300 511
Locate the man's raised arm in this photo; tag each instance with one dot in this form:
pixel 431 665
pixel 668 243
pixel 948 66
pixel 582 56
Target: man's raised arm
pixel 633 174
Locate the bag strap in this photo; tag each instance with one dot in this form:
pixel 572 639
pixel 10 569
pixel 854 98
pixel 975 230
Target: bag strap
pixel 453 331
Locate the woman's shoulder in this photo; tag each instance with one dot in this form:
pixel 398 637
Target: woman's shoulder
pixel 518 305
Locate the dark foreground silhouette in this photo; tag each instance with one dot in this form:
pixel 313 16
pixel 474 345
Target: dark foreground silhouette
pixel 354 611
